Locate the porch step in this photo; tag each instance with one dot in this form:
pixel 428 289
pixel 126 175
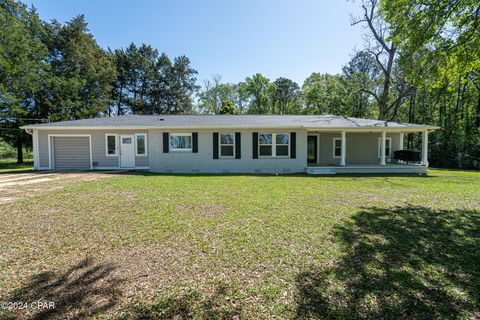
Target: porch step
pixel 313 170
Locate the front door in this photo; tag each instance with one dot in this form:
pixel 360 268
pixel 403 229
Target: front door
pixel 127 151
pixel 312 149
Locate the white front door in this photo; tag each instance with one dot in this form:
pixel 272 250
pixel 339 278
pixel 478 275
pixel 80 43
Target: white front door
pixel 127 151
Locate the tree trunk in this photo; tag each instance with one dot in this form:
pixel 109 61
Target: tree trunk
pixel 411 118
pixel 386 84
pixel 19 149
pixel 458 105
pixel 120 100
pixel 477 115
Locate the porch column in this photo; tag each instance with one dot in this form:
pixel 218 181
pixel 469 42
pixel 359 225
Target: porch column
pixel 36 160
pixel 383 146
pixel 425 148
pixel 343 148
pixel 400 141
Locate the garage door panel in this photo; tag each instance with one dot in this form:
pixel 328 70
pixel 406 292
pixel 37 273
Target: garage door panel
pixel 72 153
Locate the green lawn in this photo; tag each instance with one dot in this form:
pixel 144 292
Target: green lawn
pixel 210 247
pixel 10 165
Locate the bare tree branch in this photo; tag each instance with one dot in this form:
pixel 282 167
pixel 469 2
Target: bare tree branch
pixel 369 18
pixel 373 94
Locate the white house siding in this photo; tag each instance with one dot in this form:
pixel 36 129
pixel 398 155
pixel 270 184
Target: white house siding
pixel 99 157
pixel 362 148
pixel 203 162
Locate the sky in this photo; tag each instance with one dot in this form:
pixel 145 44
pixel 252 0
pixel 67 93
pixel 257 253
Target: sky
pixel 235 39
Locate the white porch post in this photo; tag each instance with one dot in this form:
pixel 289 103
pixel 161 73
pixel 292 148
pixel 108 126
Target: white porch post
pixel 343 149
pixel 383 146
pixel 36 163
pixel 400 141
pixel 425 148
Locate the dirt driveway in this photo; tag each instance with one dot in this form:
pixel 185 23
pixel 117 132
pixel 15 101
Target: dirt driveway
pixel 14 186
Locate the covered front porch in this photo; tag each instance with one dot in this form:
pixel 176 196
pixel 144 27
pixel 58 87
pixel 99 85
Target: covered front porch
pixel 362 151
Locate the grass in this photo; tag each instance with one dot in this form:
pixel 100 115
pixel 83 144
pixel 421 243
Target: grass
pixel 146 246
pixel 10 165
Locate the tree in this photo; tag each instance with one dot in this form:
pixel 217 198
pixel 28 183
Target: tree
pixel 255 89
pixel 325 94
pixel 181 81
pixel 443 31
pixel 362 76
pixel 384 51
pixel 160 94
pixel 215 93
pixel 82 74
pixel 285 96
pixel 150 83
pixel 22 66
pixel 439 44
pixel 228 107
pixel 120 105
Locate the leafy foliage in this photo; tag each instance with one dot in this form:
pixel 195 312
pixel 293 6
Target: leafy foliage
pixel 150 83
pixel 228 107
pixel 440 44
pixel 420 64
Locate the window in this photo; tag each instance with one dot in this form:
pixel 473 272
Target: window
pixel 140 144
pixel 274 144
pixel 111 145
pixel 227 145
pixel 181 142
pixel 337 147
pixel 265 144
pixel 281 144
pixel 388 147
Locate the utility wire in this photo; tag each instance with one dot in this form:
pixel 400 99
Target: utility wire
pixel 26 119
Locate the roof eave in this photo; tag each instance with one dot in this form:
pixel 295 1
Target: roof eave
pixel 396 129
pixel 154 127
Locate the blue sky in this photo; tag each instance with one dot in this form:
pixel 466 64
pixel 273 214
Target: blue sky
pixel 289 38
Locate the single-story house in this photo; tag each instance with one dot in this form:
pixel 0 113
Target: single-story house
pixel 316 144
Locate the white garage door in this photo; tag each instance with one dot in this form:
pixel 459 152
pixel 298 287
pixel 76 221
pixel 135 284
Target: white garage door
pixel 71 153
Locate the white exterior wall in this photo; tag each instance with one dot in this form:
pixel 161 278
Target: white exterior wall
pixel 361 148
pixel 99 158
pixel 203 162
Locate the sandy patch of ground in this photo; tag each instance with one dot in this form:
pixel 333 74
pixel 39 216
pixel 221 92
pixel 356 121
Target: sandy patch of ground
pixel 21 185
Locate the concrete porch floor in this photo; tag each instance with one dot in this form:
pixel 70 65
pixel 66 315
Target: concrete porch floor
pixel 366 168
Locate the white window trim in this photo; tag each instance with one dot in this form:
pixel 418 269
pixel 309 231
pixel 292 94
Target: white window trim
pixel 116 144
pixel 389 155
pixel 146 144
pixel 220 144
pixel 180 149
pixel 274 145
pixel 333 149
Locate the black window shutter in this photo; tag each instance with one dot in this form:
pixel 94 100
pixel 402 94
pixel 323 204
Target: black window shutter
pixel 255 145
pixel 293 145
pixel 238 145
pixel 215 145
pixel 195 142
pixel 165 142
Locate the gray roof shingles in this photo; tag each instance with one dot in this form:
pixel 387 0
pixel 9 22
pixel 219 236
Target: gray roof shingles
pixel 222 121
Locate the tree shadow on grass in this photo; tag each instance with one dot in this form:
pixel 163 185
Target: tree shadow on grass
pixel 407 262
pixel 190 304
pixel 83 290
